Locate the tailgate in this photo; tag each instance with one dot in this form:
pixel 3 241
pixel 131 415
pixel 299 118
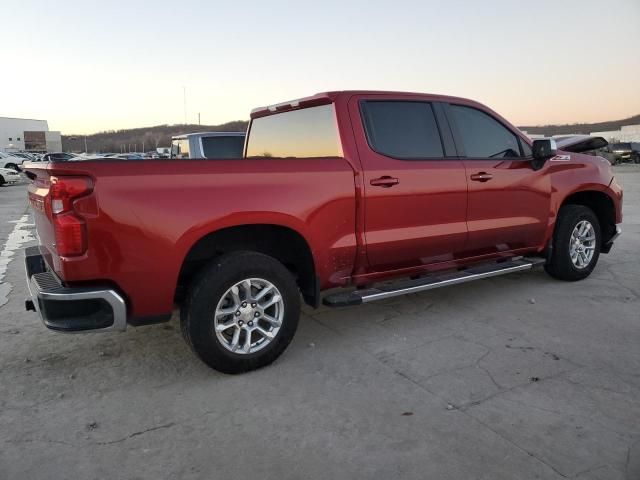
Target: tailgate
pixel 38 193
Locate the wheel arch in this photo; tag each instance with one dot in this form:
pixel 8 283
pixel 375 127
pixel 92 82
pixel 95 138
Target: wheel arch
pixel 281 242
pixel 601 204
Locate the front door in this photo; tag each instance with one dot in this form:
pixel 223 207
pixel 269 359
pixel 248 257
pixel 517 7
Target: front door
pixel 509 201
pixel 415 195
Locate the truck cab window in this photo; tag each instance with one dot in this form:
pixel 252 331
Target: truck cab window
pixel 483 136
pixel 305 133
pixel 402 129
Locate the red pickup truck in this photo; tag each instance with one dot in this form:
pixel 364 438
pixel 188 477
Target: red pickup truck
pixel 384 193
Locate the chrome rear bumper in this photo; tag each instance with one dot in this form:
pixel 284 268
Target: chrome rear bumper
pixel 72 310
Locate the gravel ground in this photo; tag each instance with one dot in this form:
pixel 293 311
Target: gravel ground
pixel 514 377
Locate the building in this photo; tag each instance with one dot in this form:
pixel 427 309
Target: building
pixel 627 133
pixel 28 135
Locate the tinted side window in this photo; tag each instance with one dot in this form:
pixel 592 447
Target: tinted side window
pixel 306 133
pixel 180 148
pixel 526 149
pixel 223 147
pixel 399 129
pixel 483 136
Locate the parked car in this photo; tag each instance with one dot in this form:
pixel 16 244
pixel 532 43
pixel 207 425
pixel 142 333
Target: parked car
pixel 26 157
pixel 580 143
pixel 220 145
pixel 623 152
pixel 341 189
pixel 8 176
pixel 10 161
pixel 59 157
pixel 128 156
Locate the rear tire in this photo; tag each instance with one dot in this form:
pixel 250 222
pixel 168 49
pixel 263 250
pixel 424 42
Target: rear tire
pixel 219 339
pixel 576 244
pixel 1 180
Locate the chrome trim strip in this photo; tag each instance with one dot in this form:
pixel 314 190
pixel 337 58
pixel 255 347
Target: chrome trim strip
pixel 444 283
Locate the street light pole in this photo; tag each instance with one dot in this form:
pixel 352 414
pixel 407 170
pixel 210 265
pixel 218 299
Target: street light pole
pixel 184 101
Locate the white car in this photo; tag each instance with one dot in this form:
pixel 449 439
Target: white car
pixel 8 176
pixel 9 161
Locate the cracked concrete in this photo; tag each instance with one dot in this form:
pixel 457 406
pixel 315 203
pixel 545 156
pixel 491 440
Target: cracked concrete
pixel 473 381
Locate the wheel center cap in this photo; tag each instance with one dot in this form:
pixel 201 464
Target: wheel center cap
pixel 246 313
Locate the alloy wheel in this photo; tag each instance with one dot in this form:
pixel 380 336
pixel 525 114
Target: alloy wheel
pixel 582 244
pixel 249 316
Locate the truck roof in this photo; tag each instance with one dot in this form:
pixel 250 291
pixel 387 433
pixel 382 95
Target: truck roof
pixel 324 98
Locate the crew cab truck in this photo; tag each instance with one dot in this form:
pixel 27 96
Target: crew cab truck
pixel 379 193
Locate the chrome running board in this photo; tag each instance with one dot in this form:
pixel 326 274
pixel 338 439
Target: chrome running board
pixel 430 282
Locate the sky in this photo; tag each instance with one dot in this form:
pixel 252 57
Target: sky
pixel 90 66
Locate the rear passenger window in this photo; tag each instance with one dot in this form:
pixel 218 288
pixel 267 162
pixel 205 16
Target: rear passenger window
pixel 483 136
pixel 402 129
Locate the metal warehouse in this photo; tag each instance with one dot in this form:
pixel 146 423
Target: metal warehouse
pixel 28 135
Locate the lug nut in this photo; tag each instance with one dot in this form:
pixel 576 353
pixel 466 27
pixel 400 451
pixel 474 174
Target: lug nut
pixel 244 304
pixel 237 313
pixel 250 323
pixel 257 314
pixel 254 305
pixel 240 322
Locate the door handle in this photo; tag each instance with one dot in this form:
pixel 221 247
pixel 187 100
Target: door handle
pixel 384 182
pixel 481 177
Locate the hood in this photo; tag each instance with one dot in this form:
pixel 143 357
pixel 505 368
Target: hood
pixel 579 143
pixel 8 171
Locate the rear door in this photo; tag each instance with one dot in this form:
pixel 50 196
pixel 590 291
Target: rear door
pixel 415 188
pixel 509 201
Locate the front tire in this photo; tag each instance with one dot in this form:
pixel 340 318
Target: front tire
pixel 576 244
pixel 1 180
pixel 241 312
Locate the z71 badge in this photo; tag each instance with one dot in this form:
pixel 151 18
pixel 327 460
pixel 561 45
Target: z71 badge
pixel 561 158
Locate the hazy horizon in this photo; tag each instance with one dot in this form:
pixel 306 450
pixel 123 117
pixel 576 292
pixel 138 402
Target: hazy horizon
pixel 124 64
pixel 97 132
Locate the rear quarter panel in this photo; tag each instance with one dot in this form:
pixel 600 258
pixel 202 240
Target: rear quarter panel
pixel 144 216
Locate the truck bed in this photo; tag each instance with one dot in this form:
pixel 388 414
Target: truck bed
pixel 143 217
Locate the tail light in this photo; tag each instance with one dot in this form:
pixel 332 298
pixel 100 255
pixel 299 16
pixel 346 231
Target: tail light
pixel 69 228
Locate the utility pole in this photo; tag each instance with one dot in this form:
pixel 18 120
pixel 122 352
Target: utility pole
pixel 198 118
pixel 86 150
pixel 184 101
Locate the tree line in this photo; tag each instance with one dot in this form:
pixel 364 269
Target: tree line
pixel 140 139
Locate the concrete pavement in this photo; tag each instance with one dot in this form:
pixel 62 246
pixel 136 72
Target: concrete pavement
pixel 516 377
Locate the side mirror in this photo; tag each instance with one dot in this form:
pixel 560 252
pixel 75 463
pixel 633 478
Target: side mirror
pixel 544 148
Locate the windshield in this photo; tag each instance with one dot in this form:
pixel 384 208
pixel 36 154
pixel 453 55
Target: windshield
pixel 621 146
